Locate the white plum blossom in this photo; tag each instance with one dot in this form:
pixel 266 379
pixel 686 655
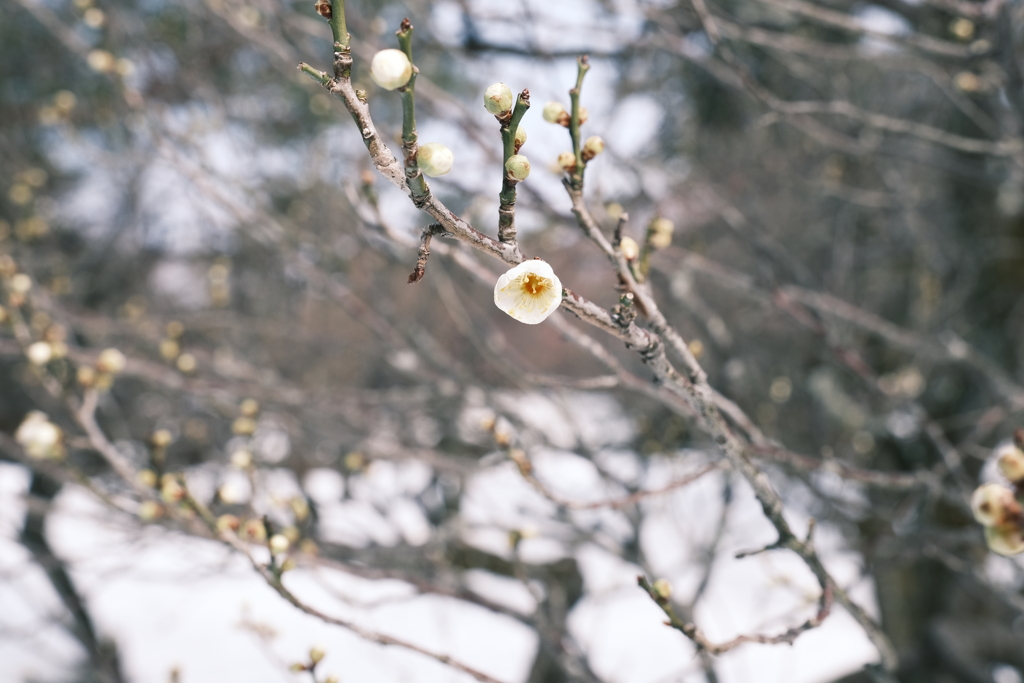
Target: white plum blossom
pixel 390 69
pixel 530 292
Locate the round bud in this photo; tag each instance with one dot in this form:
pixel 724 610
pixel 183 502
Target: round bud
pixel 39 353
pixel 434 159
pixel 111 361
pixel 663 588
pixel 567 161
pixel 1005 540
pixel 150 510
pixel 553 112
pixel 317 653
pixel 584 115
pixel 227 523
pixel 390 69
pixel 520 138
pixel 659 233
pixel 593 146
pixel 279 544
pixel 1010 461
pixel 39 437
pixel 517 167
pixel 994 504
pixel 498 99
pixel 629 248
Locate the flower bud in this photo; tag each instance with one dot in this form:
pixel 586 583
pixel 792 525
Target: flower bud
pixel 243 426
pixel 254 530
pixel 434 159
pixel 279 544
pixel 554 112
pixel 584 115
pixel 390 69
pixel 171 489
pixel 39 353
pixel 147 478
pixel 567 161
pixel 520 138
pixel 20 283
pixel 150 510
pixel 517 167
pixel 659 233
pixel 1005 540
pixel 111 361
pixel 629 248
pixel 593 146
pixel 161 438
pixel 1010 461
pixel 498 99
pixel 316 653
pixel 227 523
pixel 39 437
pixel 663 588
pixel 994 504
pixel 241 459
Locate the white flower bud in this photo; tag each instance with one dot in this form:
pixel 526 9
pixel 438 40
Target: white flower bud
pixel 39 437
pixel 518 167
pixel 111 361
pixel 498 99
pixel 39 353
pixel 1010 461
pixel 316 653
pixel 663 588
pixel 629 248
pixel 554 111
pixel 659 233
pixel 434 159
pixel 520 137
pixel 584 115
pixel 994 504
pixel 1005 540
pixel 390 69
pixel 593 146
pixel 530 292
pixel 279 544
pixel 567 161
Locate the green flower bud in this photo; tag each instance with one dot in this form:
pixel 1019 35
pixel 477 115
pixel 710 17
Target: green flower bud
pixel 498 99
pixel 434 159
pixel 517 167
pixel 554 112
pixel 390 69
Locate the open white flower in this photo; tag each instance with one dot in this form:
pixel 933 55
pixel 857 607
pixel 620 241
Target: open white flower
pixel 530 292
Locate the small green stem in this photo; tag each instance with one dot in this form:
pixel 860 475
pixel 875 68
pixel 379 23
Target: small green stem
pixel 507 197
pixel 338 26
pixel 317 75
pixel 417 184
pixel 583 65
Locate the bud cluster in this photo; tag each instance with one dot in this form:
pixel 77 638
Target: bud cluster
pixel 997 507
